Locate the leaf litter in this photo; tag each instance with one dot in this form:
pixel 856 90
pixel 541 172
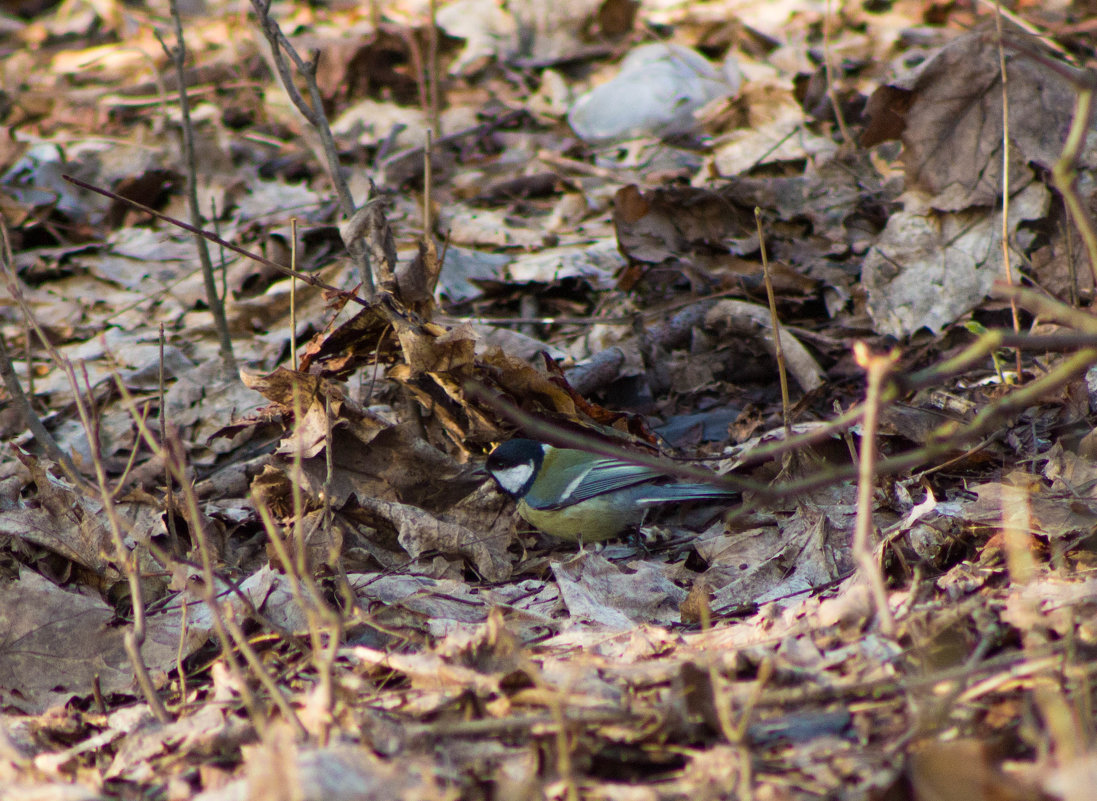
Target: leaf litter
pixel 333 601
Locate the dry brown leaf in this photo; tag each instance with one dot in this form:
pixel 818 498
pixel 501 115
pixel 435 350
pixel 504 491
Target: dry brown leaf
pixel 418 532
pixel 738 317
pixel 948 112
pixel 57 643
pixel 598 591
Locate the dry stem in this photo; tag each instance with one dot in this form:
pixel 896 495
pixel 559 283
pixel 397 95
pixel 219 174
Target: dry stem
pixel 313 112
pixel 1006 267
pixel 178 55
pixel 877 369
pixel 778 350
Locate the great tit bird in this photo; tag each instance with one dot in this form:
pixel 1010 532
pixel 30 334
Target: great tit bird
pixel 576 495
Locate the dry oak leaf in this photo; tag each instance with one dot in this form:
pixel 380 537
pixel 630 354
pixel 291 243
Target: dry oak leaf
pixel 948 114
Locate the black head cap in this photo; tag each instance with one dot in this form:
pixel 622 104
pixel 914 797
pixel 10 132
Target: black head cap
pixel 514 465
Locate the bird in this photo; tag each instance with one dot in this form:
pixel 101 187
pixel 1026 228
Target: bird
pixel 584 497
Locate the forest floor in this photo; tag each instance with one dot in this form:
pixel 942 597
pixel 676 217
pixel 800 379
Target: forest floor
pixel 247 549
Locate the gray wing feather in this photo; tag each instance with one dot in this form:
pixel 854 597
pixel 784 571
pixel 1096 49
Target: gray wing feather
pixel 609 475
pixel 602 476
pixel 672 493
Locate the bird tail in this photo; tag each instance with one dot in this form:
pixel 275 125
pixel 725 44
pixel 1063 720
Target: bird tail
pixel 681 493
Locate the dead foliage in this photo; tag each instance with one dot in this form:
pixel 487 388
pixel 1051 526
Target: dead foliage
pixel 624 226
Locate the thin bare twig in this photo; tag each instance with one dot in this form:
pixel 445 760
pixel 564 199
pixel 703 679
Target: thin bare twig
pixel 321 619
pixel 1006 266
pixel 828 69
pixel 11 380
pixel 169 505
pixel 261 673
pixel 876 367
pixel 428 181
pixel 172 452
pixel 32 421
pixel 432 70
pixel 313 112
pixel 782 373
pixel 1063 170
pixel 178 55
pixel 128 562
pixel 311 280
pixel 293 293
pixel 184 628
pixel 942 442
pixel 29 350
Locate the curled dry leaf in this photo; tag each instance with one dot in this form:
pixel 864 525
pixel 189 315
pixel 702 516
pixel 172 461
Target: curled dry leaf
pixel 418 532
pixel 595 589
pixel 948 114
pixel 749 318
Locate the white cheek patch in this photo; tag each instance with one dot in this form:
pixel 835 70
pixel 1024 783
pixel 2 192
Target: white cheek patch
pixel 513 479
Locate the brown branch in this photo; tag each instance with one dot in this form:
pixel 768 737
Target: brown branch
pixel 308 279
pixel 876 368
pixel 178 55
pixel 313 112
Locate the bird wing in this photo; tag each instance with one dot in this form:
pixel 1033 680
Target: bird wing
pixel 580 478
pixel 584 479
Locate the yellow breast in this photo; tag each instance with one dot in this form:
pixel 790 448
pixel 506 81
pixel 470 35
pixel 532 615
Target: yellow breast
pixel 593 520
